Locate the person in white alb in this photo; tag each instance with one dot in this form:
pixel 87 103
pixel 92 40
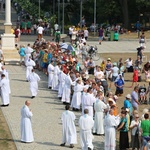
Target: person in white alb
pixel 29 66
pixel 69 135
pixel 99 108
pixel 50 71
pixel 40 30
pixel 61 78
pixel 33 78
pixel 26 126
pixel 5 91
pixel 28 51
pixel 76 99
pixel 67 89
pixel 110 124
pixel 88 101
pixel 55 82
pixel 86 124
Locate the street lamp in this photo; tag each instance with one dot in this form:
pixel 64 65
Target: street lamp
pixel 81 13
pixel 94 17
pixel 39 9
pixel 63 9
pixel 59 13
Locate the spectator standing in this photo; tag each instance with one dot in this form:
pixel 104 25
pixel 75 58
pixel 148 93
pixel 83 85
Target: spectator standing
pixel 22 54
pixel 40 30
pixel 135 125
pixel 28 27
pixel 57 36
pixel 119 83
pixel 135 98
pixel 123 128
pixel 86 34
pixel 142 40
pixel 101 35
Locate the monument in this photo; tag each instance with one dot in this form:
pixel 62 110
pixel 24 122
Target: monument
pixel 8 39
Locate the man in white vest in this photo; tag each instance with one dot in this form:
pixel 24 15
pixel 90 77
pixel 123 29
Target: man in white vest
pixel 26 127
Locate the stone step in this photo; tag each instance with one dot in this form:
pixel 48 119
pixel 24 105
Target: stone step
pixel 10 55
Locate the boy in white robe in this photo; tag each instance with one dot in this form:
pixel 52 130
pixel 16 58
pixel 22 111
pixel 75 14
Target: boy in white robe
pixel 110 123
pixel 33 78
pixel 69 130
pixel 88 101
pixel 50 71
pixel 99 107
pixel 86 124
pixel 29 64
pixel 26 127
pixel 5 91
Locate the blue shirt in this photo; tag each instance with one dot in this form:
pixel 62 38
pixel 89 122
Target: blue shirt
pixel 134 96
pixel 22 52
pixel 127 104
pixel 120 82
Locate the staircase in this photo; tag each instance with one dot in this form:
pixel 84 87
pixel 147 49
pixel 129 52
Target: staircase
pixel 10 56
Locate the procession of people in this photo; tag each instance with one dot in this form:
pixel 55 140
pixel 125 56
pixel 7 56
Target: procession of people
pixel 85 88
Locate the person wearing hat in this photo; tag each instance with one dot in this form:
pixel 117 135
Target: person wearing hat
pixel 128 105
pixel 114 72
pixel 108 68
pixel 135 143
pixel 112 105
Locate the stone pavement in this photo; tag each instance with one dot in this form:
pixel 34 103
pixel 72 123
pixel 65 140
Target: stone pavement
pixel 47 110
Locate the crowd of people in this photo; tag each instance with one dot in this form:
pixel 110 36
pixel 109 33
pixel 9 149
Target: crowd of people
pixel 85 87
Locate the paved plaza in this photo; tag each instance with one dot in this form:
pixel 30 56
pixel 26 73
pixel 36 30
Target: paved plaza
pixel 47 110
pixel 46 107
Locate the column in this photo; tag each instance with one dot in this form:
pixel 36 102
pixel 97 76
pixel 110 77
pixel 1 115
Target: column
pixel 8 23
pixel 8 39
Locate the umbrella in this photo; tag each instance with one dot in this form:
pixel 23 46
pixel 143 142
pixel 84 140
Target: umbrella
pixel 67 47
pixel 64 46
pixel 71 48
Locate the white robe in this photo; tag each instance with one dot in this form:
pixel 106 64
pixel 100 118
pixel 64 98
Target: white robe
pixel 5 90
pixel 29 64
pixel 5 72
pixel 50 71
pixel 69 129
pixel 55 82
pixel 110 122
pixel 26 127
pixel 61 79
pixel 76 99
pixel 86 124
pixel 67 90
pixel 28 52
pixel 33 78
pixel 87 103
pixel 99 107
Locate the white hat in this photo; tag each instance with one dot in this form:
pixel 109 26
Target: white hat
pixel 128 96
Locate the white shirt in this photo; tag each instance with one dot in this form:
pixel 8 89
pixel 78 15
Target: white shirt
pixel 40 30
pixel 115 71
pixel 56 26
pixel 128 63
pixel 99 74
pixel 70 30
pixel 86 33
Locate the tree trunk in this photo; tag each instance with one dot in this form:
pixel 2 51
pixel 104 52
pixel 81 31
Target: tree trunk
pixel 124 7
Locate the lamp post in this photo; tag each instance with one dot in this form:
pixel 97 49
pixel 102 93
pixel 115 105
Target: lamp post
pixel 59 12
pixel 94 17
pixel 63 11
pixel 81 13
pixel 39 9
